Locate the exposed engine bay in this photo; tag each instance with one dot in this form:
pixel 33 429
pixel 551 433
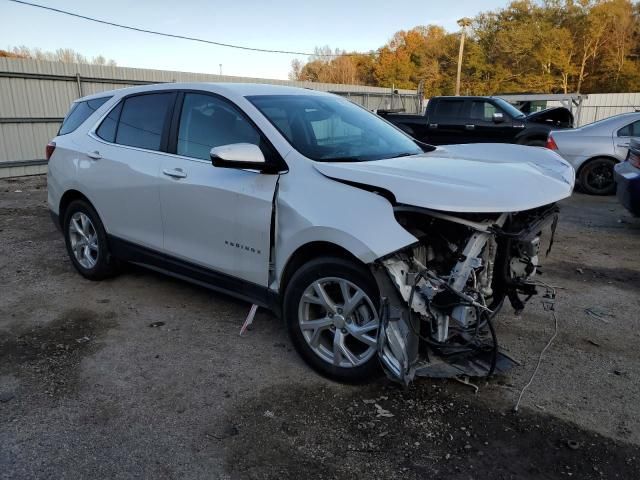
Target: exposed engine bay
pixel 441 294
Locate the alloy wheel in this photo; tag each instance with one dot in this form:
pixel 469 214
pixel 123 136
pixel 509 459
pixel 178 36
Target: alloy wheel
pixel 84 240
pixel 600 176
pixel 339 322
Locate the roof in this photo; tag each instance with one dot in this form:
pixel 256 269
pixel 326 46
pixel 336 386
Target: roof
pixel 237 89
pixel 612 123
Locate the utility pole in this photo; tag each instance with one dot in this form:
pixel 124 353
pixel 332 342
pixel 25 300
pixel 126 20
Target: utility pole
pixel 220 68
pixel 464 23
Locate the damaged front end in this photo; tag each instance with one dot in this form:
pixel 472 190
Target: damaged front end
pixel 439 295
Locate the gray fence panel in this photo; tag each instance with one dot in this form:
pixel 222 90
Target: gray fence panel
pixel 35 95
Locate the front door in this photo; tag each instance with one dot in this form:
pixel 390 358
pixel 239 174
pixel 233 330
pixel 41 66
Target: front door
pixel 483 127
pixel 218 218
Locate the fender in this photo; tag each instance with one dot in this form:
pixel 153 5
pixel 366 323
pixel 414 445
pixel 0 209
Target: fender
pixel 359 221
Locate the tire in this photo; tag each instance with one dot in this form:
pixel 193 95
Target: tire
pixel 354 328
pixel 596 177
pixel 86 241
pixel 536 143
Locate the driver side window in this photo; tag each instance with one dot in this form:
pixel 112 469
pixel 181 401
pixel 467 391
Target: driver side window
pixel 483 111
pixel 207 121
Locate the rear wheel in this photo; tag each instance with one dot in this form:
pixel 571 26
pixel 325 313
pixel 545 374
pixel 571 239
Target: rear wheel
pixel 331 311
pixel 86 241
pixel 596 177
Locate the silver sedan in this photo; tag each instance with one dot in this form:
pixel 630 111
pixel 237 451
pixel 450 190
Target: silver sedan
pixel 594 149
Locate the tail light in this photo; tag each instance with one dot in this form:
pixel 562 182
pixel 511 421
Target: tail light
pixel 48 151
pixel 634 153
pixel 551 143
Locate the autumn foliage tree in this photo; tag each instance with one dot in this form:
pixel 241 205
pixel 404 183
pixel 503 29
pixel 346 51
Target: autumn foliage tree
pixel 553 46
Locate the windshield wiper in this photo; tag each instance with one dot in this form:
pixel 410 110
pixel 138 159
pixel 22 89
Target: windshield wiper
pixel 364 159
pixel 341 159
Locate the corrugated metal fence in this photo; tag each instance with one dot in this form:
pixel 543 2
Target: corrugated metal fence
pixel 35 96
pixel 603 105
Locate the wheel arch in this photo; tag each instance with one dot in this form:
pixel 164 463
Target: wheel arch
pixel 66 199
pixel 310 251
pixel 591 159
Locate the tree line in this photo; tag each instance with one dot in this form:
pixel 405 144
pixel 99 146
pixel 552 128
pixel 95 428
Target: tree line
pixel 65 55
pixel 547 46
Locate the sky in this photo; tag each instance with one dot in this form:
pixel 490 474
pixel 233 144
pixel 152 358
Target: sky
pixel 271 24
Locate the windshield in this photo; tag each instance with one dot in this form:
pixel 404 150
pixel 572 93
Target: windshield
pixel 332 129
pixel 510 109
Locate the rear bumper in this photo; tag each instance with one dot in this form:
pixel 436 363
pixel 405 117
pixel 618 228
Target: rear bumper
pixel 627 178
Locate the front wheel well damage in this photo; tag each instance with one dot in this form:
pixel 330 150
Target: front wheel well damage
pixel 311 251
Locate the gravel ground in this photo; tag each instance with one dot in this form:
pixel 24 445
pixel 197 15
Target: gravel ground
pixel 89 389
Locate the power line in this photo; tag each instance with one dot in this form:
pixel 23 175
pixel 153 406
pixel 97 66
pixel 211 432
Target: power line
pixel 181 37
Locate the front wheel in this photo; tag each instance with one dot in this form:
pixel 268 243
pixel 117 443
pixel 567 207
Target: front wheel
pixel 331 311
pixel 596 177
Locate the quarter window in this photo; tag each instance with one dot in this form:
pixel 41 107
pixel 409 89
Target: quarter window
pixel 79 112
pixel 207 121
pixel 107 129
pixel 142 120
pixel 631 130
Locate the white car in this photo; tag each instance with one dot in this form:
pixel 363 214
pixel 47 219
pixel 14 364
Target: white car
pixel 307 204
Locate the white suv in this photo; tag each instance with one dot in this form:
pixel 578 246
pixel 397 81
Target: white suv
pixel 306 204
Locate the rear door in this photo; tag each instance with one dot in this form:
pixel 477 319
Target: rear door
pixel 446 121
pixel 623 136
pixel 125 159
pixel 218 218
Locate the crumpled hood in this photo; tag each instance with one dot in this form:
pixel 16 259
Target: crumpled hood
pixel 482 177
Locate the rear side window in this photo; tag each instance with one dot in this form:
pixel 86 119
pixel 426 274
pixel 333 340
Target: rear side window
pixel 141 121
pixel 631 130
pixel 79 112
pixel 449 108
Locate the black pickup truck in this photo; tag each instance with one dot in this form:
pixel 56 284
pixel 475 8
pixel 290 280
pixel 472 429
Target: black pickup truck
pixel 450 120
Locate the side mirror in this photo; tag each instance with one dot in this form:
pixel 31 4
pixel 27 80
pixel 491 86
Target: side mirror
pixel 238 155
pixel 498 117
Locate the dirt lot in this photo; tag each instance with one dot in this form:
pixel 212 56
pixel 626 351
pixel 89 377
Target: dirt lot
pixel 88 389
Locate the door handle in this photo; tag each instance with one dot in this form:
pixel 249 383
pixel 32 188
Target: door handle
pixel 95 155
pixel 433 125
pixel 175 173
pixel 623 145
pixel 470 127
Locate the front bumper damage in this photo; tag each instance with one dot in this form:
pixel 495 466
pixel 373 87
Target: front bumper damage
pixel 440 325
